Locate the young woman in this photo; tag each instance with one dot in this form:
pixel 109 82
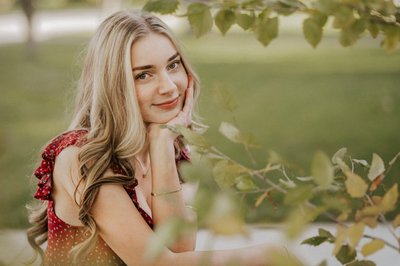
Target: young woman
pixel 112 178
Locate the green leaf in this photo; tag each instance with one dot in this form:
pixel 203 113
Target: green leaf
pixel 327 6
pixel 245 183
pixel 224 19
pixel 200 18
pixel 346 254
pixel 333 203
pixel 226 172
pixel 191 136
pixel 230 132
pixel 314 241
pixel 344 17
pixel 245 21
pixel 322 170
pixel 161 6
pixel 312 32
pixel 373 29
pixel 325 233
pixel 287 7
pixel 361 263
pixel 224 217
pixel 351 34
pixel 377 167
pixel 224 99
pixel 266 29
pixel 299 195
pixel 323 263
pixel 391 39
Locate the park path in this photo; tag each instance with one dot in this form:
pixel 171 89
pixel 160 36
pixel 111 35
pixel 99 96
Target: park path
pixel 15 248
pixel 50 24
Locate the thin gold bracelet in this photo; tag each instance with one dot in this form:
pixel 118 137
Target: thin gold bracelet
pixel 165 193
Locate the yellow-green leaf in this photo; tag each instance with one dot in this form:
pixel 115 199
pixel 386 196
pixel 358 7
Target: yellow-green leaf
pixel 266 29
pixel 396 221
pixel 161 6
pixel 346 254
pixel 372 247
pixel 313 29
pixel 344 17
pixel 200 18
pixel 349 35
pixel 391 38
pixel 377 167
pixel 245 21
pixel 245 183
pixel 224 99
pixel 299 194
pixel 355 185
pixel 390 199
pixel 373 29
pixel 341 234
pixel 192 137
pixel 322 170
pixel 355 233
pixel 226 172
pixel 224 217
pixel 224 19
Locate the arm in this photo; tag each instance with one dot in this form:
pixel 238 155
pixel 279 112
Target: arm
pixel 128 235
pixel 165 175
pixel 165 178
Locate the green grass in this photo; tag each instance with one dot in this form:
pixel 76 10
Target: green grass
pixel 294 99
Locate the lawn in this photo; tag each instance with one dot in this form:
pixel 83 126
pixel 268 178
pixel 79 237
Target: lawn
pixel 294 99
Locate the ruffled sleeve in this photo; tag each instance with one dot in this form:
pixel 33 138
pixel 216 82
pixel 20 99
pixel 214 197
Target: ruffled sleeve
pixel 45 171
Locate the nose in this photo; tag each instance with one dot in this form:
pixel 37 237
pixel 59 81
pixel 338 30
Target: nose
pixel 166 84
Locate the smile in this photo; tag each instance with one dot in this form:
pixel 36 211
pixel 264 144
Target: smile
pixel 168 104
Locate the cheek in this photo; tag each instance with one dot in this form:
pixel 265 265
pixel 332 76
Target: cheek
pixel 182 81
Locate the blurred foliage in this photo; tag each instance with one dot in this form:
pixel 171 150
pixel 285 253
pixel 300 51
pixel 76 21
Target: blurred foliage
pixel 347 191
pixel 261 17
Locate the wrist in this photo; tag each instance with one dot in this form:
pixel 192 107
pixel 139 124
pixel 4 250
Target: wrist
pixel 156 132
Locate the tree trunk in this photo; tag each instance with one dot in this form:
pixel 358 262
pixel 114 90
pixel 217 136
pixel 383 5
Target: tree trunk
pixel 27 7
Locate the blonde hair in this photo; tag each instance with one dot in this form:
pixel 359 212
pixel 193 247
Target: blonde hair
pixel 107 107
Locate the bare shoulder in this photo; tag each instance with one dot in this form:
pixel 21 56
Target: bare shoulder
pixel 66 173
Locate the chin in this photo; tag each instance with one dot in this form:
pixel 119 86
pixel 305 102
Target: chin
pixel 162 118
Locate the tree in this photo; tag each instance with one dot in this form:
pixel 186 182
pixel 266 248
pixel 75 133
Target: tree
pixel 27 7
pixel 351 18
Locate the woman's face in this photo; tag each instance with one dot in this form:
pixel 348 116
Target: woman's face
pixel 160 78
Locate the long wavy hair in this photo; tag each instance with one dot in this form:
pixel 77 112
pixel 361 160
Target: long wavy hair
pixel 107 107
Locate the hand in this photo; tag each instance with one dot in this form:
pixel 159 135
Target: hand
pixel 184 117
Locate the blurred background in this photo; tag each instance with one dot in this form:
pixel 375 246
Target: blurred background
pixel 294 99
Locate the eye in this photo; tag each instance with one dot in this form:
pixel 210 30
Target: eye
pixel 175 64
pixel 142 76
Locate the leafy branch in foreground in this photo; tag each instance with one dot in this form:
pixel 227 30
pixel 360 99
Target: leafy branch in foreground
pixel 347 191
pixel 351 18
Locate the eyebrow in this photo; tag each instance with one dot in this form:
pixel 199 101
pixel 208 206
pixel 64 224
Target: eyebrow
pixel 152 66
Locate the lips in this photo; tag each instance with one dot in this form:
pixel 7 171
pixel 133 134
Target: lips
pixel 168 104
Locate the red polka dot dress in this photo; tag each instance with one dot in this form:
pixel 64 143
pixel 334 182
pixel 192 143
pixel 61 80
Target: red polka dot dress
pixel 62 237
